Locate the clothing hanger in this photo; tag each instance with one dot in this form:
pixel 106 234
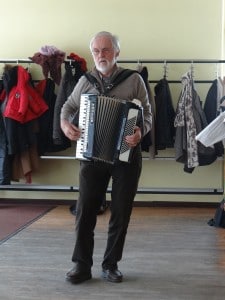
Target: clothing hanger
pixel 139 65
pixel 192 70
pixel 28 67
pixel 72 65
pixel 217 71
pixel 165 69
pixel 71 62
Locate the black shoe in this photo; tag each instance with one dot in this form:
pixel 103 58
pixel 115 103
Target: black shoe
pixel 113 275
pixel 78 275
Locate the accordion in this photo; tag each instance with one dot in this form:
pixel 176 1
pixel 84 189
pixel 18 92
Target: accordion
pixel 104 122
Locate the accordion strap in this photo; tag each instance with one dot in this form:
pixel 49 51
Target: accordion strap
pixel 117 80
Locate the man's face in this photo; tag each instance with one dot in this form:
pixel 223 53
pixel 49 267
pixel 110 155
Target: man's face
pixel 104 55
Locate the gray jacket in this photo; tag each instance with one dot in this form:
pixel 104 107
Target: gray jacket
pixel 131 88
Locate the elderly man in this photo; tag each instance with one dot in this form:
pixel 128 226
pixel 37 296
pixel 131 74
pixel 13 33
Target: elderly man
pixel 95 175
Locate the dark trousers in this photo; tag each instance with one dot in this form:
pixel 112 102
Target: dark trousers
pixel 94 180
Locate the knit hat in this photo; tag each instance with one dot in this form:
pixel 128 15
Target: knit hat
pixel 50 58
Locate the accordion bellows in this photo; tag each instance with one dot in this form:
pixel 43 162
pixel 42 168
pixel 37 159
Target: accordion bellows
pixel 104 122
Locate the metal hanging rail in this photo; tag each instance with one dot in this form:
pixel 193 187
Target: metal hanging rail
pixel 152 61
pixel 172 61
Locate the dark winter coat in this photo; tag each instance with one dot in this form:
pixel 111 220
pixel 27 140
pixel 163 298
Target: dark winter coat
pixel 73 72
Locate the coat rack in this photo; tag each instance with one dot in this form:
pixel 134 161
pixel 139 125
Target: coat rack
pixel 59 188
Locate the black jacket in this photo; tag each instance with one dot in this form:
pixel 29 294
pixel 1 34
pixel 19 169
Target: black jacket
pixel 73 72
pixel 165 114
pixel 211 112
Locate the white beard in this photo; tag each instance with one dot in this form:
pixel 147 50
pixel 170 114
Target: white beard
pixel 105 66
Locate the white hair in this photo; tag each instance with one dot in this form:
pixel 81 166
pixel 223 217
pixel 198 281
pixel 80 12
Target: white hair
pixel 114 39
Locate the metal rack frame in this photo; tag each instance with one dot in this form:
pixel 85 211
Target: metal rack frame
pixel 62 188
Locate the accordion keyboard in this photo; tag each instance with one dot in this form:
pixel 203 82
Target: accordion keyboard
pixel 83 125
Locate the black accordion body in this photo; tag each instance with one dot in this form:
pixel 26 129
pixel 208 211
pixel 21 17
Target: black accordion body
pixel 104 122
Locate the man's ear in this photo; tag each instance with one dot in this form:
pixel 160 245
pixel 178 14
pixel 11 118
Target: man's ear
pixel 117 54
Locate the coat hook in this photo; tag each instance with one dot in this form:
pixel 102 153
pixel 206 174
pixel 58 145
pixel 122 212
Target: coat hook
pixel 139 63
pixel 217 70
pixel 28 67
pixel 192 69
pixel 165 71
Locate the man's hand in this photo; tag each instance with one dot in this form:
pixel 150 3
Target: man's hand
pixel 134 139
pixel 71 131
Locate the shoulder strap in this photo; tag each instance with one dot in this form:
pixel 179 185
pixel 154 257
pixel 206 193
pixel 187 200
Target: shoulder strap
pixel 119 78
pixel 90 78
pixel 122 76
pixel 93 81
